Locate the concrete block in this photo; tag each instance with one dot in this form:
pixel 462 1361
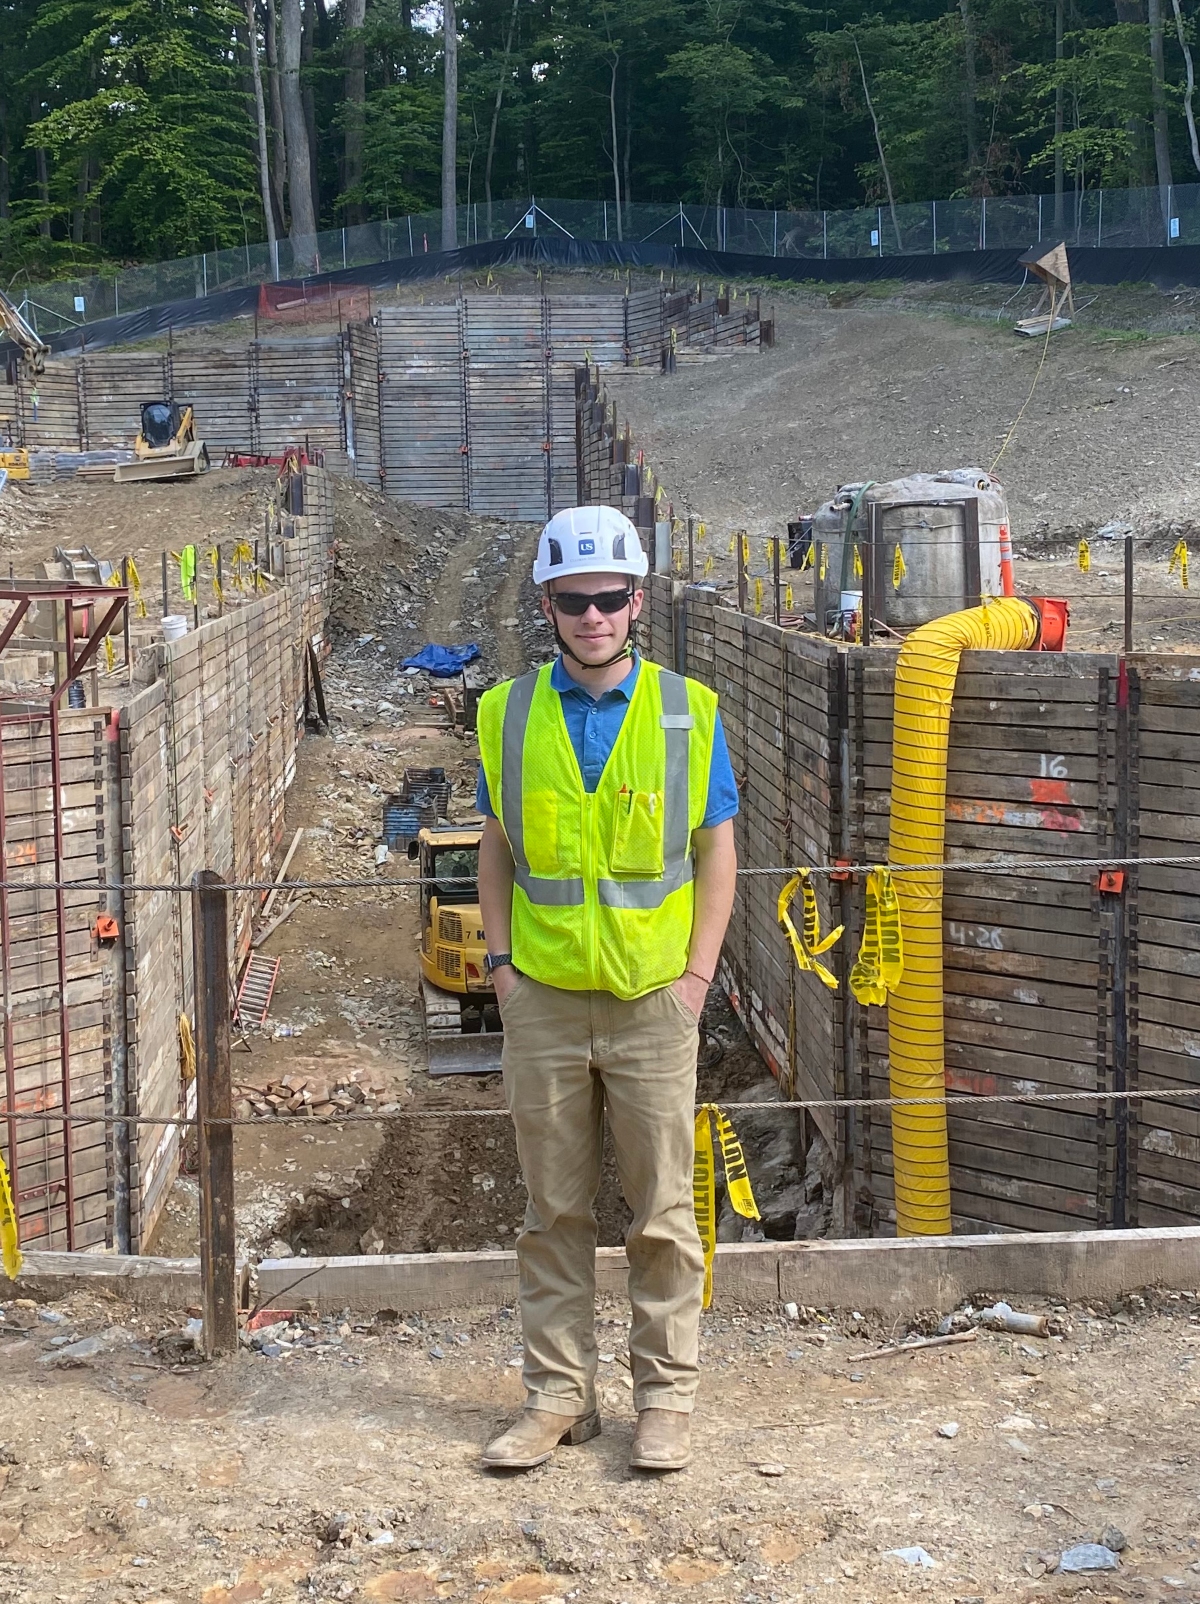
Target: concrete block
pixel 892 1276
pixel 146 1283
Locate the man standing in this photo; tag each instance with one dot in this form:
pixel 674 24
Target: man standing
pixel 606 878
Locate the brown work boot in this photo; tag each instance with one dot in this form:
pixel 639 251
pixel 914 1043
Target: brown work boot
pixel 534 1437
pixel 662 1441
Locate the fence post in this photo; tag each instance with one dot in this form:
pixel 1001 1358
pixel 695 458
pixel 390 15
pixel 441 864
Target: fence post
pixel 879 227
pixel 1100 218
pixel 1039 219
pixel 343 245
pixel 825 235
pixel 775 240
pixel 935 228
pixel 214 1101
pixel 681 222
pixel 983 224
pixel 204 268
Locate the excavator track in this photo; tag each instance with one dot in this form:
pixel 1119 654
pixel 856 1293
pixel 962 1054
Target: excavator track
pixel 462 1036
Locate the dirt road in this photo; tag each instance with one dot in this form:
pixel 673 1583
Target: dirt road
pixel 125 1479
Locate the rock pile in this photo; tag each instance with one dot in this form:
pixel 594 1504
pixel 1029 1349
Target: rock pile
pixel 309 1094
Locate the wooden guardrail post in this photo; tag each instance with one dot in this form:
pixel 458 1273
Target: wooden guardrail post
pixel 214 1101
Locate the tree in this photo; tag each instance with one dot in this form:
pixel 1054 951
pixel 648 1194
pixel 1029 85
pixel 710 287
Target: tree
pixel 449 127
pixel 260 123
pixel 300 194
pixel 355 108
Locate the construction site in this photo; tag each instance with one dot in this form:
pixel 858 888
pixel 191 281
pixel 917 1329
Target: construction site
pixel 263 1175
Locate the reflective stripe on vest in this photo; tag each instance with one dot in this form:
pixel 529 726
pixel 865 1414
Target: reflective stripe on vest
pixel 676 723
pixel 546 893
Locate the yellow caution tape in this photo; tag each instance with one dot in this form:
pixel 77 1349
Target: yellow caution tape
pixel 824 565
pixel 708 565
pixel 1085 557
pixel 1179 559
pixel 704 1182
pixel 879 966
pixel 745 547
pixel 858 567
pixel 807 944
pixel 787 597
pixel 214 558
pixel 758 598
pixel 807 560
pixel 677 558
pixel 187 1051
pixel 701 531
pixel 732 544
pixel 243 556
pixel 110 656
pixel 10 1229
pixel 898 569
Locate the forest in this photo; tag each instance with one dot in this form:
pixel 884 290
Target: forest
pixel 135 130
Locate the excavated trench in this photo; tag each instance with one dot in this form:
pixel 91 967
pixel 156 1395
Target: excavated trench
pixel 454 1184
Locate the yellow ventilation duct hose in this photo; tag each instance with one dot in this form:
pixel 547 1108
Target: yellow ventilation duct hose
pixel 925 676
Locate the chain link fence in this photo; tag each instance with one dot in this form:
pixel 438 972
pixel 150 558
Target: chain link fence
pixel 1121 218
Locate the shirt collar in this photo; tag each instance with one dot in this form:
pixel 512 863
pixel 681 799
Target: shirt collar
pixel 562 682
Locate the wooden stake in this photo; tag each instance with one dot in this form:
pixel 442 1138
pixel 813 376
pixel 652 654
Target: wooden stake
pixel 214 1101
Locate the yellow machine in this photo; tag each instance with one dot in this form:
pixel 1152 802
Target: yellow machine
pixel 167 447
pixel 462 1021
pixel 34 350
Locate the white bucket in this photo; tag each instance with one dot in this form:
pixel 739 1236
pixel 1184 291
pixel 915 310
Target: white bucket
pixel 174 627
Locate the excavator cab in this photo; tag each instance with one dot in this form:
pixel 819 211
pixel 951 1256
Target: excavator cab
pixel 462 1022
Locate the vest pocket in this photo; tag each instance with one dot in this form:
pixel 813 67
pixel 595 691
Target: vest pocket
pixel 637 838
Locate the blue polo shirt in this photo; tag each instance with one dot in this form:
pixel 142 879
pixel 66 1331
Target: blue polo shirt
pixel 594 722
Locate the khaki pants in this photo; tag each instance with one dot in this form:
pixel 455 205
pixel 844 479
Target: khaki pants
pixel 569 1057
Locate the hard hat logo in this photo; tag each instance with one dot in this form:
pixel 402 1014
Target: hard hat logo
pixel 589 540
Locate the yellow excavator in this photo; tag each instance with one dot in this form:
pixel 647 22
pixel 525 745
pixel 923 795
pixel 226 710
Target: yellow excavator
pixel 34 351
pixel 166 446
pixel 462 1021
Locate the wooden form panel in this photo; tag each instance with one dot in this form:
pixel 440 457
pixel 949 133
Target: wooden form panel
pixel 1162 912
pixel 42 1018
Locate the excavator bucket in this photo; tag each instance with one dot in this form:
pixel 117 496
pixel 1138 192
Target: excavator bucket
pixel 460 1040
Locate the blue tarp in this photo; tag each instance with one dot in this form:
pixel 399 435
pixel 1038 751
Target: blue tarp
pixel 443 662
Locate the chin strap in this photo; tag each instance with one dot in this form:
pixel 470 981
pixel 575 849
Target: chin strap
pixel 626 651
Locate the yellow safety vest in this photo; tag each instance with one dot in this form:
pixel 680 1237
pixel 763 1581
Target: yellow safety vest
pixel 603 893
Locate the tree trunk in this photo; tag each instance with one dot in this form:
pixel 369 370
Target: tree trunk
pixel 43 174
pixel 887 177
pixel 616 155
pixel 450 130
pixel 278 138
pixel 627 191
pixel 304 223
pixel 5 167
pixel 500 86
pixel 355 91
pixel 1058 118
pixel 260 123
pixel 970 93
pixel 1188 92
pixel 1162 138
pixel 81 195
pixel 309 101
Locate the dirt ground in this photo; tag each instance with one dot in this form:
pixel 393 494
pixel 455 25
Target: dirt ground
pixel 860 387
pixel 342 1463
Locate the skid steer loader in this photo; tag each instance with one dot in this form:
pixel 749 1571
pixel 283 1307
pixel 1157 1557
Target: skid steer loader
pixel 462 1021
pixel 166 447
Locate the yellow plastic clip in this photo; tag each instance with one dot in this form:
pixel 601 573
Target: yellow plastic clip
pixel 807 944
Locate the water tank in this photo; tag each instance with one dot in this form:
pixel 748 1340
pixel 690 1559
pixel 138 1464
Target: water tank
pixel 947 527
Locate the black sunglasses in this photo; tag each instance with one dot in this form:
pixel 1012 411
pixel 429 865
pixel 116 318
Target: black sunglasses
pixel 575 603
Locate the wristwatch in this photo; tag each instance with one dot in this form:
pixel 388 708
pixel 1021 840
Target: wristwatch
pixel 497 961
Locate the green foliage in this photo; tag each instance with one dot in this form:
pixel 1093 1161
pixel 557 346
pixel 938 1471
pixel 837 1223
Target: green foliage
pixel 127 127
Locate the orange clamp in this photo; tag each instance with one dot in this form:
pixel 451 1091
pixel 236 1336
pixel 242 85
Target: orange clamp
pixel 1112 882
pixel 106 928
pixel 842 873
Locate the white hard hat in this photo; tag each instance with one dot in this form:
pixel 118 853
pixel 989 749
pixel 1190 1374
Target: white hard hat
pixel 588 540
